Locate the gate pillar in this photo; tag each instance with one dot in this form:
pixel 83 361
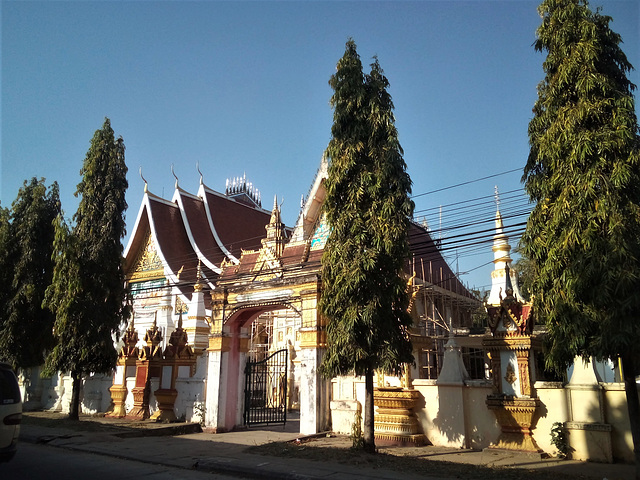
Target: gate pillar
pixel 314 389
pixel 219 347
pixel 227 354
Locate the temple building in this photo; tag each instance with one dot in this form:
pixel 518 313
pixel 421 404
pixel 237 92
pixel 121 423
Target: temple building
pixel 225 331
pixel 244 286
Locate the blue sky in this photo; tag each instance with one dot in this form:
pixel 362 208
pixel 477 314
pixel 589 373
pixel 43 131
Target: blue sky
pixel 242 87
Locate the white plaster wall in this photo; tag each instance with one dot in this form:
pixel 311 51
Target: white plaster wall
pixel 191 390
pixel 153 403
pixel 553 408
pixel 96 397
pixel 65 401
pixel 617 415
pixel 128 404
pixel 215 400
pixel 344 404
pixel 32 388
pixel 481 424
pixel 447 414
pixel 314 394
pixel 52 390
pixel 456 415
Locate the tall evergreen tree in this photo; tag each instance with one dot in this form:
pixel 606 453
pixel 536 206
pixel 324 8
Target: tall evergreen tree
pixel 26 327
pixel 88 291
pixel 6 269
pixel 368 212
pixel 583 173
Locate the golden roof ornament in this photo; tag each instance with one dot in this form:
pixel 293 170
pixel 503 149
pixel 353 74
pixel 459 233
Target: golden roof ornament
pixel 177 345
pixel 275 231
pixel 144 180
pixel 198 286
pixel 130 340
pixel 153 337
pixel 174 174
pixel 201 176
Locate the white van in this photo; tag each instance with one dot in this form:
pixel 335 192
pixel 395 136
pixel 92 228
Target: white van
pixel 10 412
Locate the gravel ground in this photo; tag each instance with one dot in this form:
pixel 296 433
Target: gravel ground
pixel 400 459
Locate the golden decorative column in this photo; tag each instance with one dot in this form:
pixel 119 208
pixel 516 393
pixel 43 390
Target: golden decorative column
pixel 510 348
pixel 126 357
pixel 149 357
pixel 395 422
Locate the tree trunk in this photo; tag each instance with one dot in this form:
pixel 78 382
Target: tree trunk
pixel 368 437
pixel 74 410
pixel 633 405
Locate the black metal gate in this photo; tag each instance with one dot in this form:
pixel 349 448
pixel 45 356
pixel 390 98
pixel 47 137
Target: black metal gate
pixel 265 389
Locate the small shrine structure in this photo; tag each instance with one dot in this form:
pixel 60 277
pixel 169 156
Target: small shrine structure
pixel 510 347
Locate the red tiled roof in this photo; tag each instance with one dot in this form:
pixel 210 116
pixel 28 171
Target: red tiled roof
pixel 239 226
pixel 174 243
pixel 196 215
pixel 428 261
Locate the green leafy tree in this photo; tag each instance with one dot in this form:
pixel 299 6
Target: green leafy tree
pixel 6 269
pixel 583 235
pixel 368 210
pixel 88 290
pixel 27 242
pixel 524 267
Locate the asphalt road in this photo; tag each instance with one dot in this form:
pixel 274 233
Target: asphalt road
pixel 42 462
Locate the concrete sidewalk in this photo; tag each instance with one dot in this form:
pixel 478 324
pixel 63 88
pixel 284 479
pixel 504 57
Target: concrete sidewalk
pixel 225 453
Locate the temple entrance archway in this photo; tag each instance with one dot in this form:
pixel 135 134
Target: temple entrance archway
pixel 251 319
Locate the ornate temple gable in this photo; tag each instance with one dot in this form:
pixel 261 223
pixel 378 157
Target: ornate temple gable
pixel 320 234
pixel 265 264
pixel 276 233
pixel 148 264
pixel 511 317
pixel 267 267
pixel 307 222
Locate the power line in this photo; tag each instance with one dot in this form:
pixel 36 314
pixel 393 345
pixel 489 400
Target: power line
pixel 460 216
pixel 466 183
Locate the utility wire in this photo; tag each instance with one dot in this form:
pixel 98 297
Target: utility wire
pixel 466 183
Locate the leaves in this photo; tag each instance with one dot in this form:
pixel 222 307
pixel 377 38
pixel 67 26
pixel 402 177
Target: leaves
pixel 583 175
pixel 368 210
pixel 26 237
pixel 88 289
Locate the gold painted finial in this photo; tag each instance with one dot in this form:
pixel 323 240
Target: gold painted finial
pixel 198 286
pixel 174 174
pixel 144 180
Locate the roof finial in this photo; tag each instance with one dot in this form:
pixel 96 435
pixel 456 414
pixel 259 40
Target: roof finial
pixel 144 180
pixel 198 168
pixel 198 286
pixel 497 197
pixel 174 174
